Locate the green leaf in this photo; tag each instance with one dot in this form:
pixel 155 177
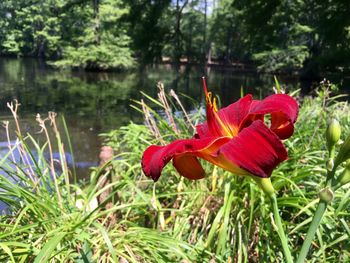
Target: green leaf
pixel 278 87
pixel 7 251
pixel 46 252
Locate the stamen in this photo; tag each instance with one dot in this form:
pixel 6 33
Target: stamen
pixel 204 86
pixel 215 106
pixel 211 102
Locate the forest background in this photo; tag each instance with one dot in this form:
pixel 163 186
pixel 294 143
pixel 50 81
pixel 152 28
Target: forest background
pixel 307 36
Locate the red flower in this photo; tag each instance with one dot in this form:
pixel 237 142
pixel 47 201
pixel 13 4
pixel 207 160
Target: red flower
pixel 235 138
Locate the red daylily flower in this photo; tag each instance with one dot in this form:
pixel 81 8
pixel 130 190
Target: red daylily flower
pixel 235 138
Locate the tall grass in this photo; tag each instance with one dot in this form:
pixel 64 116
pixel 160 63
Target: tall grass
pixel 228 215
pixel 49 219
pixel 222 218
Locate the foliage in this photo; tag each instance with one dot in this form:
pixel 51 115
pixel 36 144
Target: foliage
pixel 30 28
pixel 287 59
pixel 227 33
pixel 228 215
pixel 50 218
pixel 310 27
pixel 104 43
pixel 276 33
pixel 149 28
pixel 309 36
pixel 220 218
pixel 50 29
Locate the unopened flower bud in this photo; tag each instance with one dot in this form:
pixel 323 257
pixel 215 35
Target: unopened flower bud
pixel 265 184
pixel 330 164
pixel 333 133
pixel 345 176
pixel 344 152
pixel 326 195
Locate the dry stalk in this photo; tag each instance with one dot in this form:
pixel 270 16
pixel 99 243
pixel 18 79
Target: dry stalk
pixel 151 123
pixel 14 110
pixel 106 154
pixel 52 167
pixel 162 98
pixel 174 95
pixel 22 152
pixel 5 124
pixel 63 164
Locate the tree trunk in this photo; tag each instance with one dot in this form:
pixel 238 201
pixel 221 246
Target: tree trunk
pixel 209 54
pixel 96 28
pixel 205 47
pixel 178 49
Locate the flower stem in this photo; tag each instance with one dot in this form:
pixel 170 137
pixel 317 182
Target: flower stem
pixel 321 208
pixel 280 231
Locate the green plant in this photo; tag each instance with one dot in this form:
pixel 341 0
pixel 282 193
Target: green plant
pixel 51 219
pixel 227 215
pixel 220 218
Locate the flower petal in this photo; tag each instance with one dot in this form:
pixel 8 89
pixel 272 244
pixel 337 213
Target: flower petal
pixel 215 125
pixel 188 166
pixel 283 109
pixel 183 152
pixel 284 112
pixel 235 113
pixel 255 149
pixel 230 116
pixel 203 131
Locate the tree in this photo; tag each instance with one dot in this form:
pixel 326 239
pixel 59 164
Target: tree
pixel 81 33
pixel 227 33
pixel 30 28
pixel 149 28
pixel 103 42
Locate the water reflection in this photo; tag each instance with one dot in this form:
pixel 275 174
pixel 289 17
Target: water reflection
pixel 93 102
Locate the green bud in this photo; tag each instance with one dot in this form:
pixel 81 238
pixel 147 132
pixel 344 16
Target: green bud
pixel 344 152
pixel 265 184
pixel 330 164
pixel 333 133
pixel 326 195
pixel 345 176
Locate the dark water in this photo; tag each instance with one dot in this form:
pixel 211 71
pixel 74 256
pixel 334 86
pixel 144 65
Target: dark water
pixel 93 103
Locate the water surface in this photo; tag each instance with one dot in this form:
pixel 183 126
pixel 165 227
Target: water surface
pixel 93 102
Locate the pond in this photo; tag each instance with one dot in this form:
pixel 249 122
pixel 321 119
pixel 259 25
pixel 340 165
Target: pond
pixel 95 102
